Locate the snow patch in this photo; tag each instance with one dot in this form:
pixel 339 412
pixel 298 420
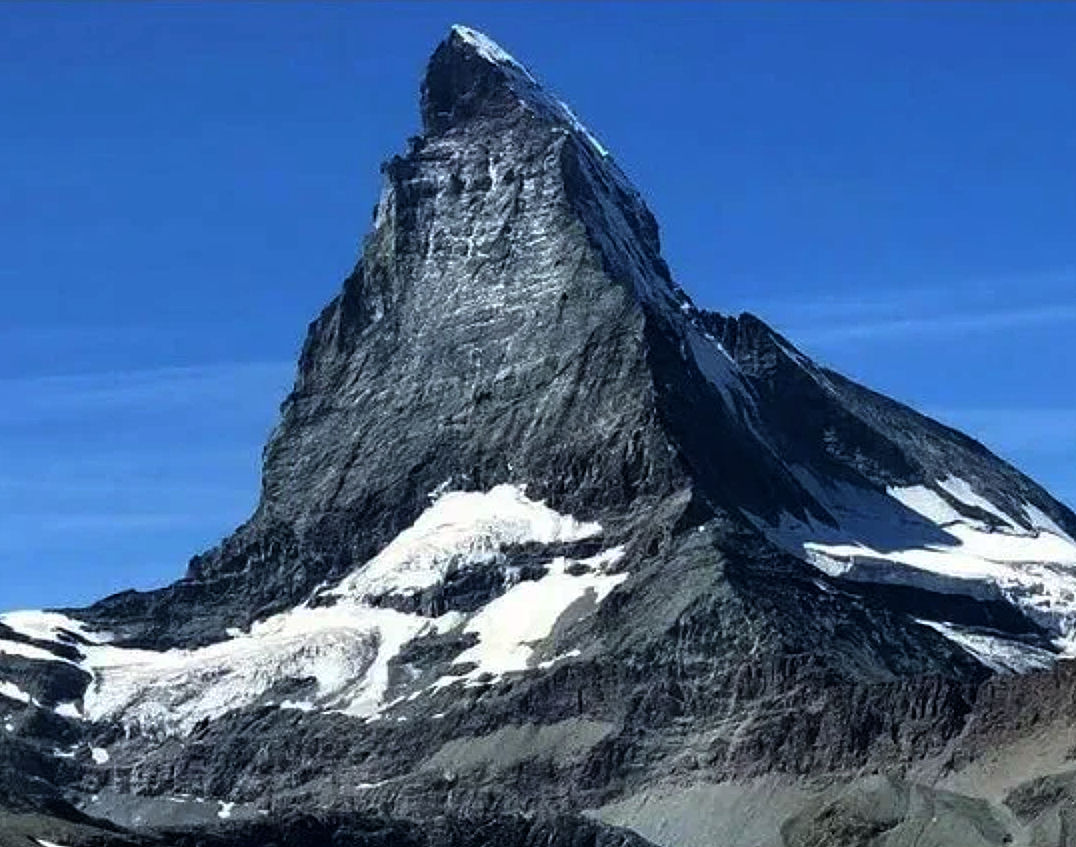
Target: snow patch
pixel 997 653
pixel 461 529
pixel 29 651
pixel 486 47
pixel 345 648
pixel 49 626
pixel 509 627
pixel 13 692
pixel 225 810
pixel 1040 520
pixel 912 536
pixel 962 491
pixel 99 755
pixel 68 710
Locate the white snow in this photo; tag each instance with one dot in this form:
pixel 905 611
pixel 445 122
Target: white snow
pixel 68 710
pixel 99 755
pixel 962 491
pixel 225 810
pixel 912 536
pixel 29 651
pixel 461 529
pixel 510 626
pixel 297 705
pixel 13 692
pixel 345 646
pixel 45 843
pixel 44 627
pixel 927 503
pixel 1000 654
pixel 1041 520
pixel 47 626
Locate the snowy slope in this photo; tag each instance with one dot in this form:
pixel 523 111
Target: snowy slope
pixel 346 648
pixel 935 538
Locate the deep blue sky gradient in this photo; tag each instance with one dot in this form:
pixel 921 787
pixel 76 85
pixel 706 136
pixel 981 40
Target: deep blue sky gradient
pixel 185 185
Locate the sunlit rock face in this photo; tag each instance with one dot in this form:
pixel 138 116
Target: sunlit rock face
pixel 544 550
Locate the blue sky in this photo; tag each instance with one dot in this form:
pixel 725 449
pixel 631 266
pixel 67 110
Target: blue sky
pixel 184 185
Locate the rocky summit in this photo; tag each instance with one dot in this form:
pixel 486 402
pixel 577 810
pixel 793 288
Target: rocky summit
pixel 546 554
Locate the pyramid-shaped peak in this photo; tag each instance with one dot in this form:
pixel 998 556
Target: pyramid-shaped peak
pixel 488 49
pixel 470 76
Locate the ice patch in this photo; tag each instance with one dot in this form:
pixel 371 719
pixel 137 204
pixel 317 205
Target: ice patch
pixel 13 692
pixel 461 529
pixel 225 810
pixel 99 755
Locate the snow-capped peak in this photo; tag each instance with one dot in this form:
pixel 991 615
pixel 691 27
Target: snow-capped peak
pixel 486 47
pixel 523 84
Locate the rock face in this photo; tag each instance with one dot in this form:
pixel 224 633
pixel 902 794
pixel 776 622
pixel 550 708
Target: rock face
pixel 542 546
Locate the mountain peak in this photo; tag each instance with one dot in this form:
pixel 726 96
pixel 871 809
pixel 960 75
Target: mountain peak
pixel 483 45
pixel 470 76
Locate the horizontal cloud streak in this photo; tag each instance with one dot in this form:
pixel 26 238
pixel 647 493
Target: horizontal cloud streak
pixel 949 323
pixel 1034 300
pixel 110 462
pixel 156 388
pixel 1017 430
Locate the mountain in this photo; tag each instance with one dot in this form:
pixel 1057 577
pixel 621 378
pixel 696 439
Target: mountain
pixel 547 554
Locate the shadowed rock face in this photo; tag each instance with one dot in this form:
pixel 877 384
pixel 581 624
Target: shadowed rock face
pixel 511 321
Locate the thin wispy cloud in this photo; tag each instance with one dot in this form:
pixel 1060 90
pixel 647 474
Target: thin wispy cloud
pixel 1030 301
pixel 108 522
pixel 114 455
pixel 1015 429
pixel 155 388
pixel 919 325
